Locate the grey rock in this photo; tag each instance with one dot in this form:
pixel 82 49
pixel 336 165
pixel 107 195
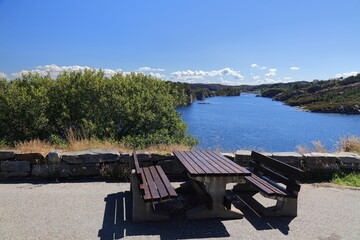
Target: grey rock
pixel 91 156
pixel 160 157
pixel 230 156
pixel 172 167
pixel 54 156
pixel 125 157
pixel 51 170
pixel 143 156
pixel 321 162
pixel 77 170
pixel 291 158
pixel 6 154
pixel 348 161
pixel 5 175
pixel 15 166
pixel 243 157
pixel 33 158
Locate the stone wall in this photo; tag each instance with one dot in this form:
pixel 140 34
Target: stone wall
pixel 91 163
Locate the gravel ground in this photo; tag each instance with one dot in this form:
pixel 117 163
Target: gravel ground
pixel 101 210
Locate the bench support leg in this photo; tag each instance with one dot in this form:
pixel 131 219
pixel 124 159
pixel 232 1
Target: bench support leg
pixel 286 207
pixel 143 211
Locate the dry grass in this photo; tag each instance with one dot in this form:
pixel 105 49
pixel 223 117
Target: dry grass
pixel 163 149
pixel 316 147
pixel 34 146
pixel 349 144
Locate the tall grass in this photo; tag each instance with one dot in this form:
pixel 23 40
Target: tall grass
pixel 347 179
pixel 349 144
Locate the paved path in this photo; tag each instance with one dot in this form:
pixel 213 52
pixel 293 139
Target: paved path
pixel 96 210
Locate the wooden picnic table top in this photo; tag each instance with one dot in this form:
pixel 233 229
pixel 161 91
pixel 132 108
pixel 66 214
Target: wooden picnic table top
pixel 209 163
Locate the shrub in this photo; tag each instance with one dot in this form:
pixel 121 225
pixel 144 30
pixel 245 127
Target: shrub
pixel 134 108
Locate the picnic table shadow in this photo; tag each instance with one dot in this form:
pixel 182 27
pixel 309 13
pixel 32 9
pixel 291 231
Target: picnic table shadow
pixel 117 223
pixel 252 213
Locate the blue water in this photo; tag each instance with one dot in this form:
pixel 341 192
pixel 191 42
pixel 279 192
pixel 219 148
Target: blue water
pixel 249 122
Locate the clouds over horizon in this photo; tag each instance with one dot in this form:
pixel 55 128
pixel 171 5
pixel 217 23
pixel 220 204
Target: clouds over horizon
pixel 200 74
pixel 345 75
pixel 3 75
pixel 149 69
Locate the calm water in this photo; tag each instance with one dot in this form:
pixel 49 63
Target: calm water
pixel 249 122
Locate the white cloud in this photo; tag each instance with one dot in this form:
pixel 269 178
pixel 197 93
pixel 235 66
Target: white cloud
pixel 345 75
pixel 254 65
pixel 271 73
pixel 148 69
pixel 256 77
pixel 191 75
pixel 295 68
pixel 55 70
pixel 2 75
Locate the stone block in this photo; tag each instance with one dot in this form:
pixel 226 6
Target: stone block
pixel 321 162
pixel 125 157
pixel 7 154
pixel 348 161
pixel 51 170
pixel 13 174
pixel 291 158
pixel 172 167
pixel 91 156
pixel 243 157
pixel 143 156
pixel 54 156
pixel 82 170
pixel 230 156
pixel 160 157
pixel 33 158
pixel 15 166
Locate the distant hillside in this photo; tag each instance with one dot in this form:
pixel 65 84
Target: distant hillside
pixel 330 96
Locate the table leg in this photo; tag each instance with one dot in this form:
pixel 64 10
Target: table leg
pixel 215 189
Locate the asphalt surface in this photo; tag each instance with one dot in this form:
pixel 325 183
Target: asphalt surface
pixel 101 210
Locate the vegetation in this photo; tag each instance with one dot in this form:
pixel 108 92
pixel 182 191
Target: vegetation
pixel 136 110
pixel 347 179
pixel 332 96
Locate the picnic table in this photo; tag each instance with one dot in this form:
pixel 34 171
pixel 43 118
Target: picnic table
pixel 209 173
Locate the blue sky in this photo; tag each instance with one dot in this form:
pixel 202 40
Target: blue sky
pixel 229 42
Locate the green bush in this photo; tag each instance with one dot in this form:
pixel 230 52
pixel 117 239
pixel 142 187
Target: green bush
pixel 136 108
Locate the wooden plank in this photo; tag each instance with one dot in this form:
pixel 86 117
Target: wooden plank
pixel 150 182
pixel 290 183
pixel 191 168
pixel 236 169
pixel 201 162
pixel 266 186
pixel 170 189
pixel 144 187
pixel 284 168
pixel 159 183
pixel 223 169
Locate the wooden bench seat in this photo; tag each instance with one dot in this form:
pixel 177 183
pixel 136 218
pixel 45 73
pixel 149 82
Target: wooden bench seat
pixel 277 180
pixel 149 186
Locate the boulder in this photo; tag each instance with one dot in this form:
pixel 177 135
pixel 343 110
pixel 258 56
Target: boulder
pixel 54 156
pixel 33 158
pixel 348 161
pixel 321 162
pixel 243 157
pixel 291 158
pixel 143 156
pixel 81 170
pixel 15 166
pixel 91 156
pixel 51 170
pixel 7 154
pixel 160 157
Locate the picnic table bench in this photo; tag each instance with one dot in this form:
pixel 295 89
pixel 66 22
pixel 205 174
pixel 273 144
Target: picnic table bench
pixel 277 180
pixel 209 173
pixel 149 185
